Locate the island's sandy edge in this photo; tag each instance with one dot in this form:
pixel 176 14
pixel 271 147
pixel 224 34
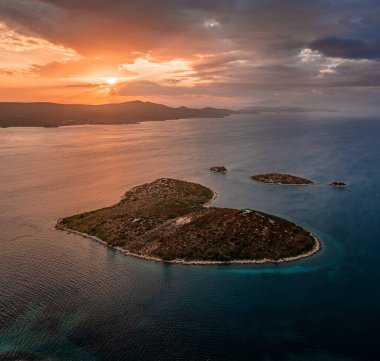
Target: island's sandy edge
pixel 316 249
pixel 214 196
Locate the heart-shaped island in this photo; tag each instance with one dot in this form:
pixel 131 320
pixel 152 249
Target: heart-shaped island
pixel 168 220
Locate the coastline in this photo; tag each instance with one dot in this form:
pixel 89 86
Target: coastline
pixel 214 196
pixel 316 249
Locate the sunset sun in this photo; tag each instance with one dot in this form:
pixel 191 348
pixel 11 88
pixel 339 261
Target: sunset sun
pixel 111 80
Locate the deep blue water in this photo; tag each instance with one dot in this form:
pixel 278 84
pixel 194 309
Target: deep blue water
pixel 67 298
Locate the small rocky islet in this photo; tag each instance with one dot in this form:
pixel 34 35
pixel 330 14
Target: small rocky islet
pixel 168 220
pixel 218 169
pixel 289 179
pixel 338 184
pixel 281 178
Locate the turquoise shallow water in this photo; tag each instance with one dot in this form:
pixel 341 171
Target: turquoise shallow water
pixel 67 298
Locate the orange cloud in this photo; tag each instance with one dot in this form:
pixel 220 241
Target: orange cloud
pixel 19 53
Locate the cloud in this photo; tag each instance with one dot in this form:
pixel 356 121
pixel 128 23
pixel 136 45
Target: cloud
pixel 19 52
pixel 252 49
pixel 148 88
pixel 346 48
pixel 81 68
pixel 171 28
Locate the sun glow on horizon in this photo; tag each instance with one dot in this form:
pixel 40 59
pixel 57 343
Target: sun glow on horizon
pixel 111 80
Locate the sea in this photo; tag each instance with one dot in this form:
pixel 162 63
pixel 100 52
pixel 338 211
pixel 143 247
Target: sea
pixel 64 297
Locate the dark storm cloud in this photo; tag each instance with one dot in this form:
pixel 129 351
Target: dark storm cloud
pixel 346 48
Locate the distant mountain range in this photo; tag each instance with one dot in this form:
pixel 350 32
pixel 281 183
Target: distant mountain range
pixel 54 115
pixel 257 109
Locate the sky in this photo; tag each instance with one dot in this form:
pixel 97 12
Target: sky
pixel 232 53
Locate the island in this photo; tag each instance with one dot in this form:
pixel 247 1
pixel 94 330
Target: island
pixel 338 184
pixel 219 169
pixel 281 178
pixel 170 220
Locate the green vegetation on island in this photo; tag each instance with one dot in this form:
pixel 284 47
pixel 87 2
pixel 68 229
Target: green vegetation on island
pixel 281 178
pixel 168 220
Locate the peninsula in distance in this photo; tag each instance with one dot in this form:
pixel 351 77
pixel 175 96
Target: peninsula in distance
pixel 45 114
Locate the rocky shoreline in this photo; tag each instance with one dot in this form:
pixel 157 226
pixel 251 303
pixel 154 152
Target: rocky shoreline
pixel 317 248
